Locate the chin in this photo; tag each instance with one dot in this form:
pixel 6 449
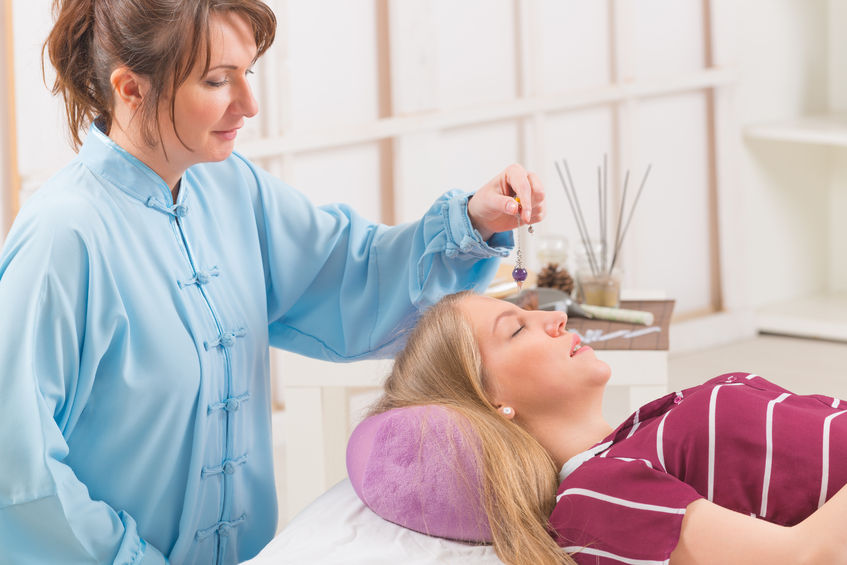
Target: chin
pixel 603 372
pixel 219 155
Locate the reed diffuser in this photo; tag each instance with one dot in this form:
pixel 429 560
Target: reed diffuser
pixel 598 281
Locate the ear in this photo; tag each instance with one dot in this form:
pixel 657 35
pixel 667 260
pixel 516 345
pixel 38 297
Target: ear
pixel 128 87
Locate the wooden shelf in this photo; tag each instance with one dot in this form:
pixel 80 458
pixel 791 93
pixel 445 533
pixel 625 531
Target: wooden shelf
pixel 821 316
pixel 828 129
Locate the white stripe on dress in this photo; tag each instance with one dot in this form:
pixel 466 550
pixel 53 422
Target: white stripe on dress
pixel 635 423
pixel 631 460
pixel 609 555
pixel 825 457
pixel 766 481
pixel 835 402
pixel 710 493
pixel 660 442
pixel 713 401
pixel 619 501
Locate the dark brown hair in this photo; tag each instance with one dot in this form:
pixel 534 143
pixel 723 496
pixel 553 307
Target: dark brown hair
pixel 161 40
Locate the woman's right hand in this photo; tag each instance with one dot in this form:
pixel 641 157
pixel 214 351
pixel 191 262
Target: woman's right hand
pixel 493 208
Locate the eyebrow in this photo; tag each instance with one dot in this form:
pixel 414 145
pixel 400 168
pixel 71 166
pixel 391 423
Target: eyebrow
pixel 230 67
pixel 500 317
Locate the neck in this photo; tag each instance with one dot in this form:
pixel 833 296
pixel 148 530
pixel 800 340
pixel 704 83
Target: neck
pixel 569 433
pixel 132 142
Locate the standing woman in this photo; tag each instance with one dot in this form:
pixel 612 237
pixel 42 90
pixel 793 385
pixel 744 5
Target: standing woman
pixel 141 286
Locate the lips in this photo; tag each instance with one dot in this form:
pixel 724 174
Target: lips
pixel 575 346
pixel 228 134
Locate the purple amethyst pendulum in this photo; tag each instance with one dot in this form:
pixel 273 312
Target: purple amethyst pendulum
pixel 519 274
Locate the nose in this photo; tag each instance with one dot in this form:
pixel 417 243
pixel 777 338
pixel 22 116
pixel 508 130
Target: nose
pixel 555 323
pixel 246 103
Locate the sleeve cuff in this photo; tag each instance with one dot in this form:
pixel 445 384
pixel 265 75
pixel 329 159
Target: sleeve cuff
pixel 463 238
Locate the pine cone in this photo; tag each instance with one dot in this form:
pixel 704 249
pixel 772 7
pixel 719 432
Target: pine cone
pixel 552 276
pixel 528 300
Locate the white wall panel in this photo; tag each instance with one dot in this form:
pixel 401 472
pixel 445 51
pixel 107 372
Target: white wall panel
pixel 470 157
pixel 462 158
pixel 573 44
pixel 475 42
pixel 413 56
pixel 669 242
pixel 349 175
pixel 43 142
pixel 332 58
pixel 668 37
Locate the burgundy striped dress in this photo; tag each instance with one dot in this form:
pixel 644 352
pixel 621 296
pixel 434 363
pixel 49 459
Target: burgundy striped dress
pixel 738 440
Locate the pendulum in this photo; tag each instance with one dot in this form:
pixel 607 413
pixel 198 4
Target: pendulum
pixel 519 272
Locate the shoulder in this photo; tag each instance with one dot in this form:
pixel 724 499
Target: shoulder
pixel 617 482
pixel 69 204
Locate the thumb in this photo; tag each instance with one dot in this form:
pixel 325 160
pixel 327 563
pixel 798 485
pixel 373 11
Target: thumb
pixel 507 205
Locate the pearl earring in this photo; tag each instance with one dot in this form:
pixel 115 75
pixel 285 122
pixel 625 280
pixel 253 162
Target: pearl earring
pixel 507 411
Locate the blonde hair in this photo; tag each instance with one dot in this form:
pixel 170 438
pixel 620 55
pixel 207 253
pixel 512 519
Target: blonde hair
pixel 441 364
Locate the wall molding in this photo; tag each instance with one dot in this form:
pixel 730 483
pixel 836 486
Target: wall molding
pixel 384 128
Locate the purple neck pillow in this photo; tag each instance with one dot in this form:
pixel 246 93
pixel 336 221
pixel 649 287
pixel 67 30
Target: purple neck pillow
pixel 415 467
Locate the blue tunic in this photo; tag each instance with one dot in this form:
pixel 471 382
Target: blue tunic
pixel 135 417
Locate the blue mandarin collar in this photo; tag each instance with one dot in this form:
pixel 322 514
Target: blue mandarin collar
pixel 115 164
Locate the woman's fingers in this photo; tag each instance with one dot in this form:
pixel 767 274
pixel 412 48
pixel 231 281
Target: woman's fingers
pixel 494 208
pixel 520 184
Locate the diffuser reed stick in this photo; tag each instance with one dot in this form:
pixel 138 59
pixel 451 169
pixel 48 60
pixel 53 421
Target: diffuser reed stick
pixel 576 210
pixel 619 242
pixel 601 265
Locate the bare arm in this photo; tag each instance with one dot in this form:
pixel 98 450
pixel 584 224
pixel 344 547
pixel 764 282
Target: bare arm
pixel 712 534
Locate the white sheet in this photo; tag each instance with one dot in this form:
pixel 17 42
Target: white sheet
pixel 337 528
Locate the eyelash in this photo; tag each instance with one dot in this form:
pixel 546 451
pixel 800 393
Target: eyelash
pixel 220 83
pixel 518 331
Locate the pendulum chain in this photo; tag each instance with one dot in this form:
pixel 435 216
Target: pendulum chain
pixel 519 273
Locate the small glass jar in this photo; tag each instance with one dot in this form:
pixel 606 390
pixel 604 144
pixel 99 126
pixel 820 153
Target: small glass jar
pixel 596 283
pixel 599 289
pixel 552 249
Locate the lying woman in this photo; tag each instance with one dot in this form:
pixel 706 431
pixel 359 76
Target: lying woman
pixel 737 470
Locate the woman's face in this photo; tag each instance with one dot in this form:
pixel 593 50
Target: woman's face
pixel 533 365
pixel 210 108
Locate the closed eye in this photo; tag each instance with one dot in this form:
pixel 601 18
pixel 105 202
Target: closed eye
pixel 518 331
pixel 217 83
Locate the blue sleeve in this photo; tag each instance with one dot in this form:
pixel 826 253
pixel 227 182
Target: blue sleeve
pixel 46 513
pixel 343 288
